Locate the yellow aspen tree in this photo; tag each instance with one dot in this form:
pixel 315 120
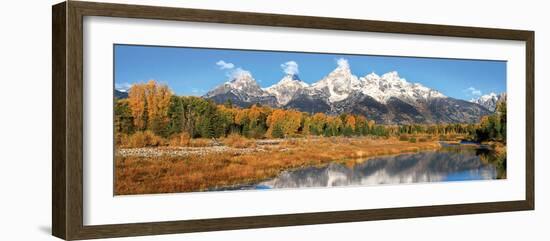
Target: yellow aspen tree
pixel 149 103
pixel 138 105
pixel 350 121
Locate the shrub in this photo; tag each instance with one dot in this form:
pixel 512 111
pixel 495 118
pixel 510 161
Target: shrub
pixel 121 139
pixel 423 139
pixel 200 142
pixel 182 139
pixel 143 139
pixel 277 132
pixel 238 141
pixel 152 140
pixel 403 138
pixel 412 140
pixel 137 140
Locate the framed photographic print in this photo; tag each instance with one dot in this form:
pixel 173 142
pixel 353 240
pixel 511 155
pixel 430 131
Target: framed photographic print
pixel 171 120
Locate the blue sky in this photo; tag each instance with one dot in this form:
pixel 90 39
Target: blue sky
pixel 194 71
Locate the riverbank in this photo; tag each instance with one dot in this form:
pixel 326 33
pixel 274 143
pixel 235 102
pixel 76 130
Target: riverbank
pixel 188 169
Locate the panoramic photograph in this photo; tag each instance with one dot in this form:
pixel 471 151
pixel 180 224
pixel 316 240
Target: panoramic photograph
pixel 191 119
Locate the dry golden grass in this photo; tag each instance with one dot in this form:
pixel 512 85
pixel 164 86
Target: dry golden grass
pixel 200 142
pixel 182 139
pixel 238 141
pixel 167 174
pixel 139 139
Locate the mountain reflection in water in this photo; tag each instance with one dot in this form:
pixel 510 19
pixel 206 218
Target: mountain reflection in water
pixel 451 163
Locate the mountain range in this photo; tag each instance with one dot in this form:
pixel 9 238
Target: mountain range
pixel 387 99
pixel 490 101
pixel 120 94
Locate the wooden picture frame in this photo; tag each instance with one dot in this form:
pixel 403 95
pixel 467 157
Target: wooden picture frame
pixel 67 123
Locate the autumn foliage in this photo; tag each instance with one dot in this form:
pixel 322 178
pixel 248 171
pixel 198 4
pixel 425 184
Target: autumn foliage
pixel 149 104
pixel 152 115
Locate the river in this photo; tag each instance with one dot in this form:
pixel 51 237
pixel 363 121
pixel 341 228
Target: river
pixel 453 162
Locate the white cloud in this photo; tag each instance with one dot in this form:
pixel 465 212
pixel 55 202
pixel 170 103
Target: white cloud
pixel 123 86
pixel 225 65
pixel 231 71
pixel 473 91
pixel 342 63
pixel 238 72
pixel 290 67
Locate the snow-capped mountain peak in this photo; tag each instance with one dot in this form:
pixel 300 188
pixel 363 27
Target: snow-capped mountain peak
pixel 386 98
pixel 292 79
pixel 286 88
pixel 390 84
pixel 372 77
pixel 341 70
pixel 486 97
pixel 339 83
pixel 489 101
pixel 393 76
pixel 242 80
pixel 243 87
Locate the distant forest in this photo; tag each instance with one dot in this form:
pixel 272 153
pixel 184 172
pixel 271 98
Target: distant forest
pixel 151 107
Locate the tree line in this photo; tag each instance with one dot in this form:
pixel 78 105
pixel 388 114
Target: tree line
pixel 493 127
pixel 152 107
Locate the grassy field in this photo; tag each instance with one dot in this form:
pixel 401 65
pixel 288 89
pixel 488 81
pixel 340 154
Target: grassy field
pixel 236 160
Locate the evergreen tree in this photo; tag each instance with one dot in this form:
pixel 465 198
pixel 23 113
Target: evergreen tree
pixel 327 131
pixel 124 121
pixel 278 131
pixel 175 115
pixel 348 131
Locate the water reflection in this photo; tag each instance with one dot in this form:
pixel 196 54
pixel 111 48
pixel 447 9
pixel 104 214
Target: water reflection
pixel 451 163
